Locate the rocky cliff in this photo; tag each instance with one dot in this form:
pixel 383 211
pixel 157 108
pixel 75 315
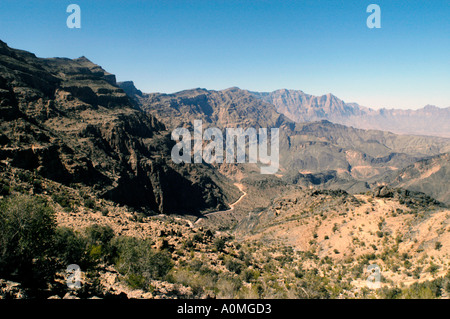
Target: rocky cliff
pixel 346 155
pixel 68 121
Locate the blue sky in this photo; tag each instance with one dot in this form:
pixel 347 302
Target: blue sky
pixel 316 46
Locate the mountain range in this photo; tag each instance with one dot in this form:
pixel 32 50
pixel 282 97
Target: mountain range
pixel 311 153
pixel 69 120
pixel 95 155
pixel 301 107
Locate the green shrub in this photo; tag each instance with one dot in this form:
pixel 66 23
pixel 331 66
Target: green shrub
pixel 233 265
pixel 89 203
pixel 27 228
pixel 188 244
pixel 335 228
pixel 219 243
pixel 70 248
pixel 99 235
pixel 433 268
pixel 62 199
pixel 85 249
pixel 423 290
pixel 136 281
pixel 249 275
pixel 25 176
pixel 390 293
pixel 4 188
pixel 37 186
pixel 95 252
pixel 196 264
pixel 137 258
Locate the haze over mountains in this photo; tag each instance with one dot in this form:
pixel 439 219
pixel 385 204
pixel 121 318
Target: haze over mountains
pixel 98 153
pixel 76 118
pixel 311 152
pixel 302 107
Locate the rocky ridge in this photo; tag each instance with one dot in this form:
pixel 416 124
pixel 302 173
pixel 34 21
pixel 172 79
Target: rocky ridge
pixel 70 122
pixel 302 107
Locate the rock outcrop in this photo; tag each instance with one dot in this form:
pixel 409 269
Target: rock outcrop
pixel 70 122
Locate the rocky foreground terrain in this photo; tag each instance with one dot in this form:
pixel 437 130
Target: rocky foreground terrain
pixel 86 178
pixel 305 244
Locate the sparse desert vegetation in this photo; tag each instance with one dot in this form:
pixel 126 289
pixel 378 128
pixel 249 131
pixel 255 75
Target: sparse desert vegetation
pixel 87 179
pixel 316 246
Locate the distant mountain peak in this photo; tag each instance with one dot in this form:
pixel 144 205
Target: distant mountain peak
pixel 287 92
pixel 233 89
pixel 301 107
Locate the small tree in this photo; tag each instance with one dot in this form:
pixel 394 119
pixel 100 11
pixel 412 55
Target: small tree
pixel 27 228
pixel 99 242
pixel 219 243
pixel 70 248
pixel 437 245
pixel 138 260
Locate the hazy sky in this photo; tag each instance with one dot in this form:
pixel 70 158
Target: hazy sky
pixel 316 46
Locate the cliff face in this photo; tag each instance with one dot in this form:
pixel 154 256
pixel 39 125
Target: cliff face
pixel 68 121
pixel 232 107
pixel 336 153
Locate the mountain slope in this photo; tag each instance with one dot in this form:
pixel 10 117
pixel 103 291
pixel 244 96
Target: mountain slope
pixel 227 108
pixel 68 121
pixel 305 148
pixel 429 176
pixel 320 146
pixel 302 107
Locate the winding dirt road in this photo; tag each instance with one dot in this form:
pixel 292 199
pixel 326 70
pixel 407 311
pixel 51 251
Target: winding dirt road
pixel 241 188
